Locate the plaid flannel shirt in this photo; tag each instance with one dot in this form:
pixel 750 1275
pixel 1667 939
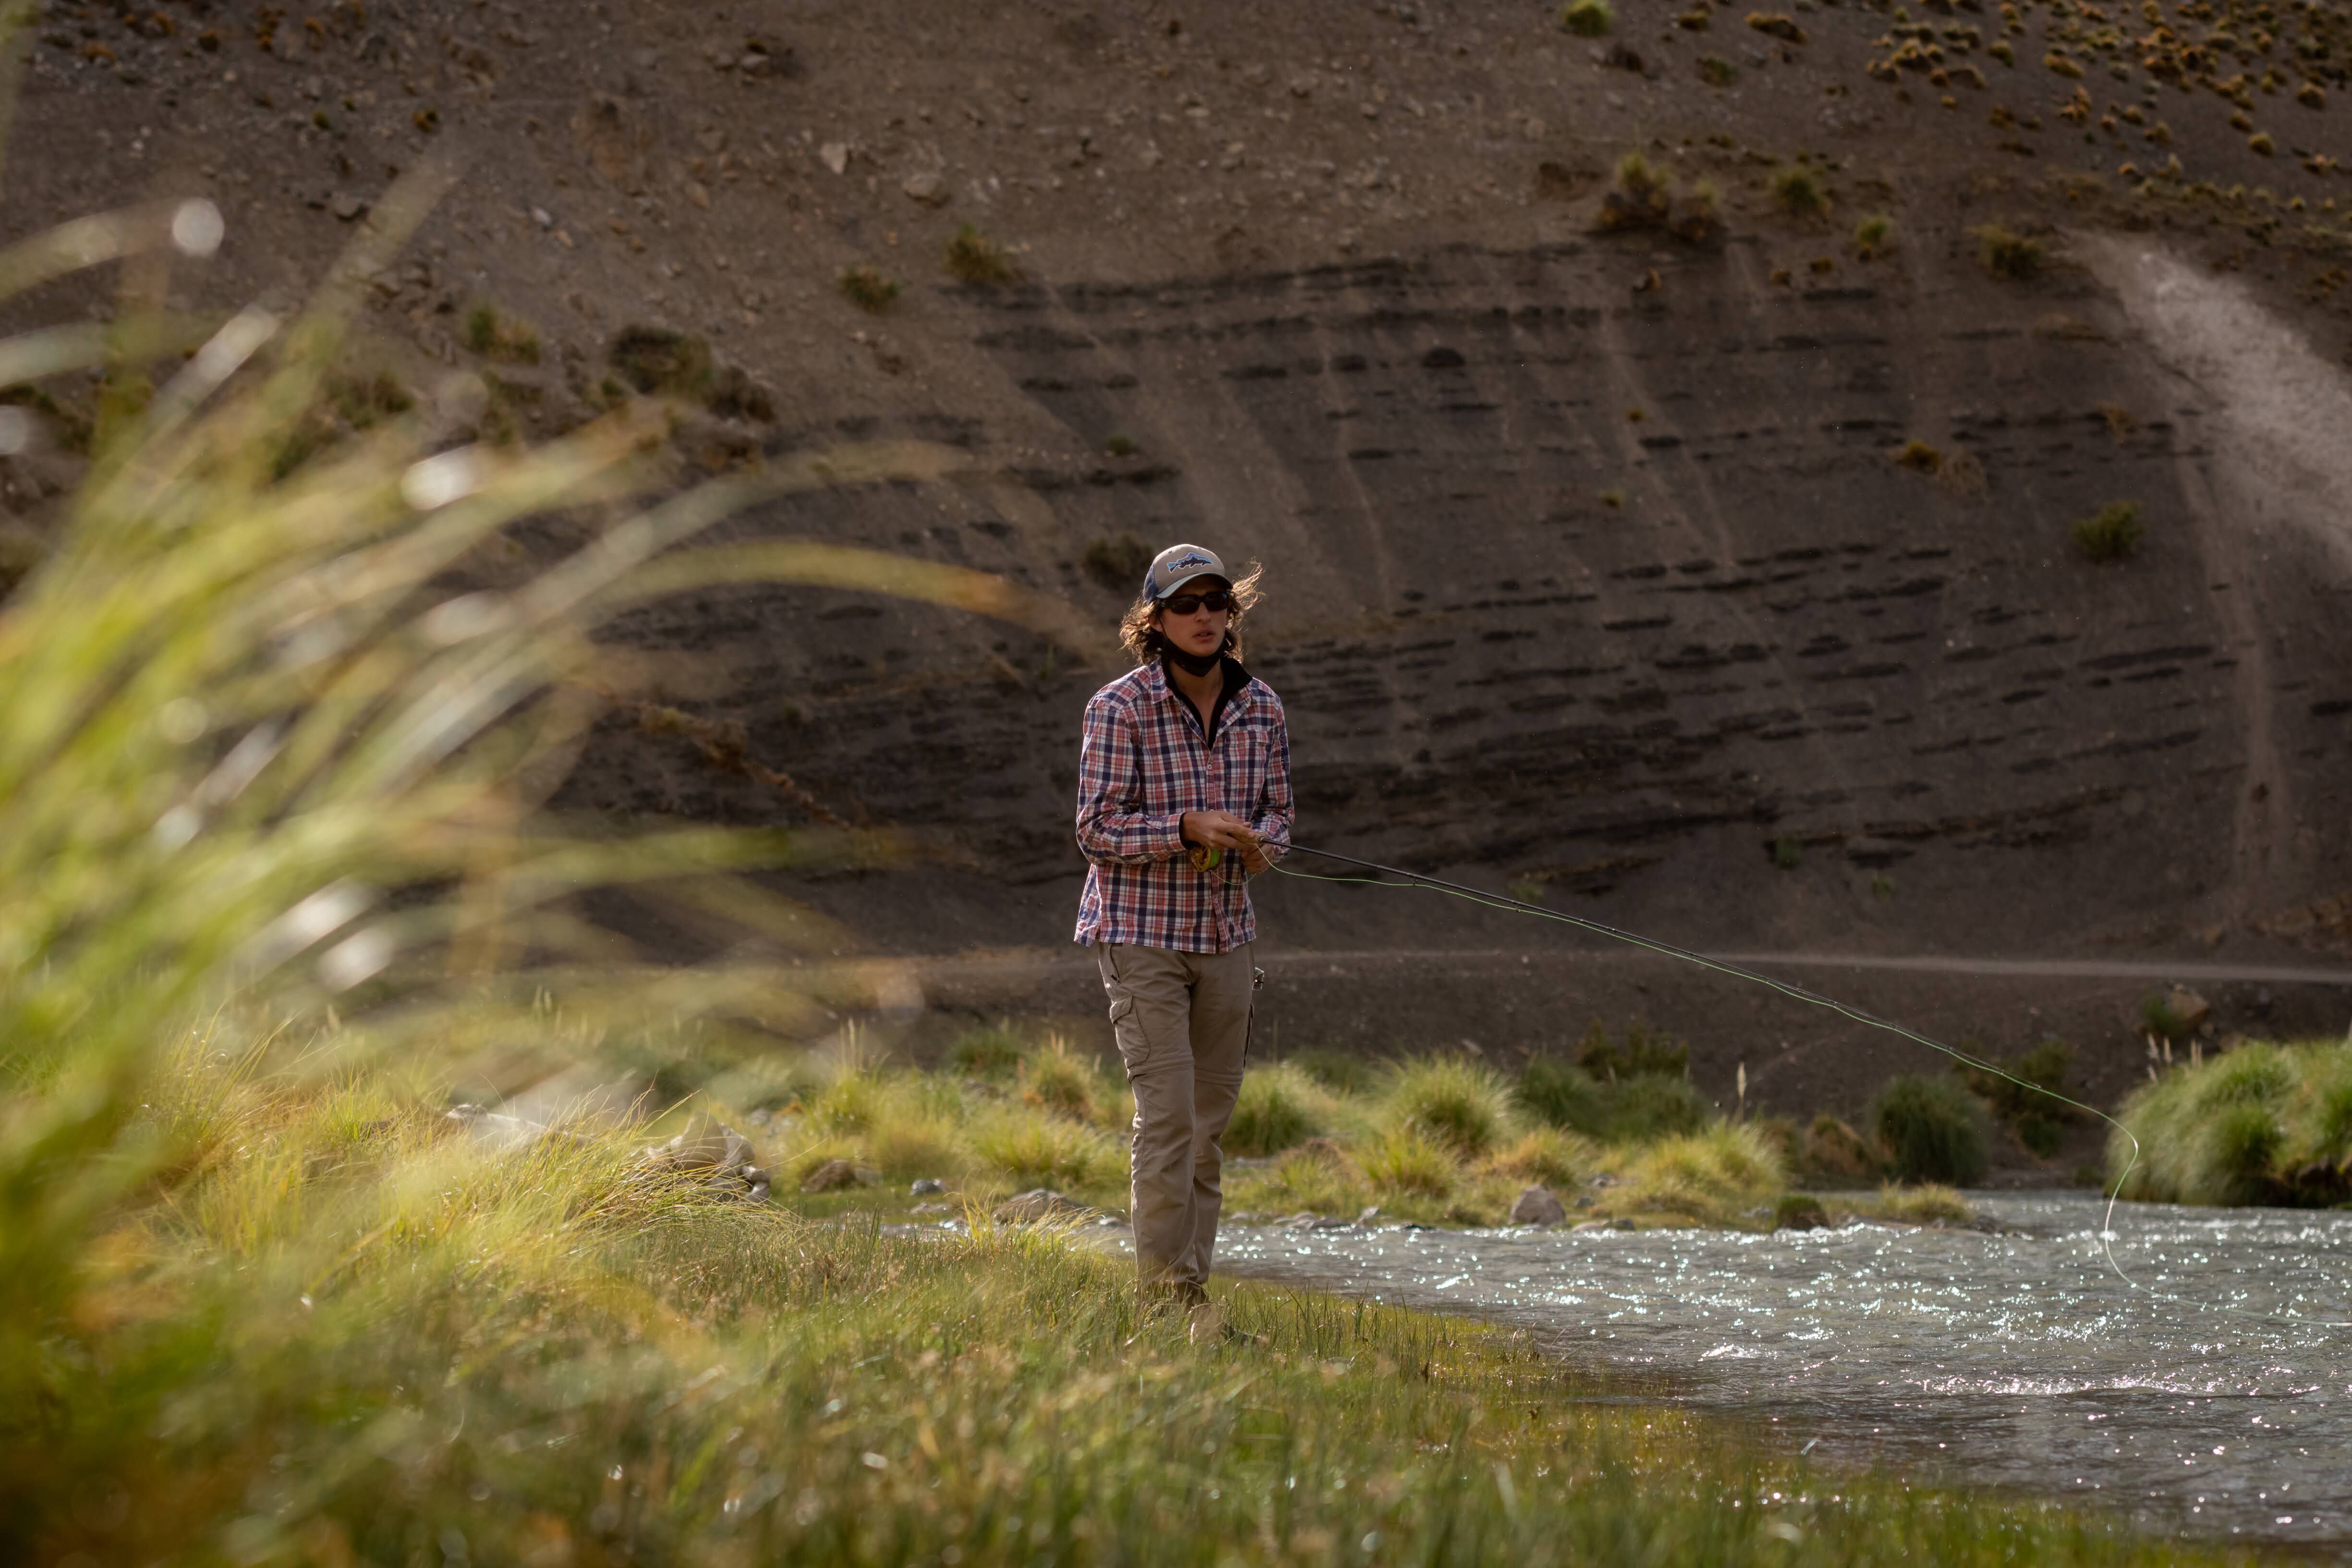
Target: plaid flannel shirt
pixel 1142 764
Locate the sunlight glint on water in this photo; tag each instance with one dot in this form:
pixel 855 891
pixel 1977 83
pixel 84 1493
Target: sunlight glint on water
pixel 2014 1360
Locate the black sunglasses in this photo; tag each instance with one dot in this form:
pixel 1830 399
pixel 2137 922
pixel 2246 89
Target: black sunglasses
pixel 1185 603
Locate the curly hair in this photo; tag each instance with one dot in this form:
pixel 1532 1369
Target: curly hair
pixel 1139 629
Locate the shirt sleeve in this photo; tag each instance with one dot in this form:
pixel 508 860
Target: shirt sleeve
pixel 1111 831
pixel 1271 818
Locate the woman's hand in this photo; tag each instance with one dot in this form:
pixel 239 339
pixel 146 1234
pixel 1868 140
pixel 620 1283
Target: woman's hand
pixel 1223 830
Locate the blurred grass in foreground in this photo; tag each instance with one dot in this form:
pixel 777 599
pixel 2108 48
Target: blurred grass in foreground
pixel 262 1301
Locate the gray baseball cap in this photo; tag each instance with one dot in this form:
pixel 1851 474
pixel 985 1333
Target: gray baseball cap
pixel 1179 564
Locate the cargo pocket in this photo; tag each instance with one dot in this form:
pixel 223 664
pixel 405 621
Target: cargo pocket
pixel 1126 1029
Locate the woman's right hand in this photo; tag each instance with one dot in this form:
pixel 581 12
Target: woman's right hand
pixel 1218 829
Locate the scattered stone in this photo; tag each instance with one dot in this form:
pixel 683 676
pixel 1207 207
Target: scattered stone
pixel 348 207
pixel 1039 1204
pixel 1536 1206
pixel 1583 1225
pixel 929 1209
pixel 1620 1223
pixel 928 186
pixel 1369 1214
pixel 1303 1220
pixel 924 1186
pixel 2190 1008
pixel 835 155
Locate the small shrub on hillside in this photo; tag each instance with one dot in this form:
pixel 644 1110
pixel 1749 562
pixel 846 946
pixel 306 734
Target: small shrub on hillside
pixel 492 336
pixel 1280 1108
pixel 1919 456
pixel 1787 853
pixel 2110 533
pixel 973 257
pixel 1120 445
pixel 2005 253
pixel 1800 190
pixel 1587 18
pixel 869 289
pixel 1874 236
pixel 1777 25
pixel 1457 1102
pixel 1717 71
pixel 1117 561
pixel 1962 474
pixel 1931 1129
pixel 662 363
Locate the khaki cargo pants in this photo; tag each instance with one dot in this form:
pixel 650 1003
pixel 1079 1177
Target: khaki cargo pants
pixel 1182 1021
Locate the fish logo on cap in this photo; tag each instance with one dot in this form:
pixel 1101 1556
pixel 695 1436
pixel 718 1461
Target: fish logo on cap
pixel 1179 564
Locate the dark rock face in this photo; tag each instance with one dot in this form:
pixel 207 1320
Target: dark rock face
pixel 1630 598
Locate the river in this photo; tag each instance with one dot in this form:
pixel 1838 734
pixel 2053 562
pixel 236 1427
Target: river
pixel 2015 1359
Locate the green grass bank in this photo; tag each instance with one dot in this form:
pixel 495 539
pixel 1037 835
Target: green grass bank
pixel 340 1327
pixel 2262 1123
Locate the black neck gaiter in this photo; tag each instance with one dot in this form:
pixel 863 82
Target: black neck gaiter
pixel 1193 665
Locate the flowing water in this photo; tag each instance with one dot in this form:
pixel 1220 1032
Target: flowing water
pixel 2014 1359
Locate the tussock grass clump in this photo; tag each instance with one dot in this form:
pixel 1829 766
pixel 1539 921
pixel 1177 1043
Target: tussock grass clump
pixel 1931 1129
pixel 1406 1163
pixel 2262 1123
pixel 2110 533
pixel 1546 1155
pixel 1928 1205
pixel 1717 71
pixel 973 257
pixel 1644 199
pixel 1620 1111
pixel 1032 1147
pixel 1054 1078
pixel 1587 18
pixel 1280 1108
pixel 1449 1100
pixel 868 288
pixel 1715 1176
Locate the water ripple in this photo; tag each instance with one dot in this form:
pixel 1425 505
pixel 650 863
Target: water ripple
pixel 2016 1360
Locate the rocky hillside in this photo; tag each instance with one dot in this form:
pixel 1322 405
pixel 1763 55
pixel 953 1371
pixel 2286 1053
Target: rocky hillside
pixel 1902 511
